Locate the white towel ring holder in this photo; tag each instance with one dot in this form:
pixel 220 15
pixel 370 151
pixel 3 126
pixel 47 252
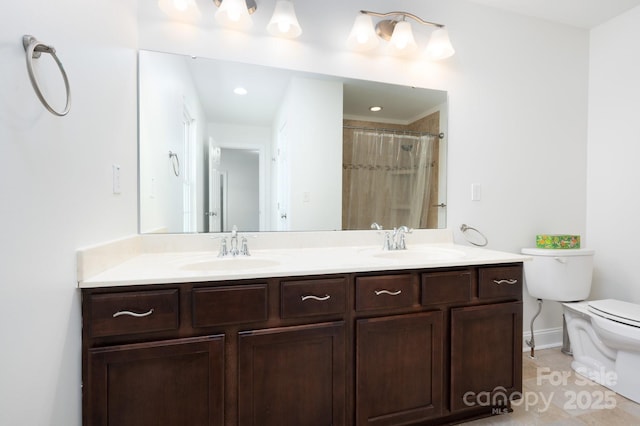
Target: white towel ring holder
pixel 175 163
pixel 34 49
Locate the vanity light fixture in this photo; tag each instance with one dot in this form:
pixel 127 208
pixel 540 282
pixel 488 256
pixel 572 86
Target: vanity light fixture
pixel 395 29
pixel 284 22
pixel 235 14
pixel 182 10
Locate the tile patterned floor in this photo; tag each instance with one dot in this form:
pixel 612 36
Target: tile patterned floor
pixel 554 395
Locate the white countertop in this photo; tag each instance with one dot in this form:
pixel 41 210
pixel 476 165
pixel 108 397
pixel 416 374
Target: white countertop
pixel 134 261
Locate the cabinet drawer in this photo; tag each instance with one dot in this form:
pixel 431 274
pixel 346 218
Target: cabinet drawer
pixel 115 314
pixel 228 305
pixel 312 297
pixel 386 292
pixel 500 281
pixel 446 287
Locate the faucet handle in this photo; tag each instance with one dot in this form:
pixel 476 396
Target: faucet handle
pixel 376 226
pixel 402 243
pixel 387 244
pixel 244 250
pixel 223 248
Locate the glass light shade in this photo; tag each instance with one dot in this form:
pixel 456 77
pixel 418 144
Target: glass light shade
pixel 363 36
pixel 182 10
pixel 439 46
pixel 234 14
pixel 284 22
pixel 402 40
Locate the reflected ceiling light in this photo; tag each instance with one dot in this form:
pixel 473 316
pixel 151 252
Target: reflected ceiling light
pixel 375 108
pixel 183 10
pixel 240 91
pixel 284 22
pixel 235 14
pixel 398 32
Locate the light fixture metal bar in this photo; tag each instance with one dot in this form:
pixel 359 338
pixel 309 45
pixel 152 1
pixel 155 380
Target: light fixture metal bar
pixel 404 14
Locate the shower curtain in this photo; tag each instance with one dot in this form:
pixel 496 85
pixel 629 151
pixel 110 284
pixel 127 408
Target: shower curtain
pixel 386 179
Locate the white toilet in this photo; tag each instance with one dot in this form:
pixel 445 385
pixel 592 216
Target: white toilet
pixel 604 334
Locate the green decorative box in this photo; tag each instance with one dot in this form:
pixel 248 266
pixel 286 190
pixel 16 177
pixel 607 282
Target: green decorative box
pixel 546 241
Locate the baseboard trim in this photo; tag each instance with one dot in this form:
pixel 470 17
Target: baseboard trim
pixel 544 339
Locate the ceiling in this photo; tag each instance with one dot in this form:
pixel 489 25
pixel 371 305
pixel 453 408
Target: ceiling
pixel 578 13
pixel 215 80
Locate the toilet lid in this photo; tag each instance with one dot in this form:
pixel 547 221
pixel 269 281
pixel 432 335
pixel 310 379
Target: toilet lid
pixel 616 310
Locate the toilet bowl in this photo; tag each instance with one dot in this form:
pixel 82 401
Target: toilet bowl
pixel 605 339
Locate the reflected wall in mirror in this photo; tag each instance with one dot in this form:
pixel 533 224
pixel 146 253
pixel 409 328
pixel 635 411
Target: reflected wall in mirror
pixel 292 151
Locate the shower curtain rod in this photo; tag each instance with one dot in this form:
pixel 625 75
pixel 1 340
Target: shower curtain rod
pixel 404 132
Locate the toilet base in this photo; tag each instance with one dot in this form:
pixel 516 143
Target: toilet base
pixel 616 369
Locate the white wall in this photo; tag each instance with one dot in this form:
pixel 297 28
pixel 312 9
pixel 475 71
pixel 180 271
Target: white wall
pixel 166 91
pixel 518 120
pixel 313 116
pixel 56 190
pixel 613 153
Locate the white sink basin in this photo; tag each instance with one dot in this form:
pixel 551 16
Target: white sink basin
pixel 419 254
pixel 230 264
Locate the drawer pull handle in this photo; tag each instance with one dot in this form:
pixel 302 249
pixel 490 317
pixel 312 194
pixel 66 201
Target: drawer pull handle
pixel 133 314
pixel 390 293
pixel 511 281
pixel 320 298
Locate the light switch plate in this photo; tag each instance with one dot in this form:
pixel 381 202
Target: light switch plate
pixel 116 179
pixel 476 190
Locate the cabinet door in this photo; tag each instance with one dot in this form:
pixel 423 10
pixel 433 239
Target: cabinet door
pixel 486 354
pixel 399 368
pixel 292 376
pixel 177 382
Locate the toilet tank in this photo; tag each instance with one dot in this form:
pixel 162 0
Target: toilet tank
pixel 563 275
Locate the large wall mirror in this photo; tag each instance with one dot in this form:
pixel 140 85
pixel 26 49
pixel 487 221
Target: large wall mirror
pixel 268 149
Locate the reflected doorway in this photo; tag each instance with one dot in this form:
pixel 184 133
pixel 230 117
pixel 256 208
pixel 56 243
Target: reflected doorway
pixel 234 189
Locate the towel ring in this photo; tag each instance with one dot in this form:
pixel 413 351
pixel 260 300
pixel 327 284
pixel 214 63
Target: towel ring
pixel 34 49
pixel 175 162
pixel 464 228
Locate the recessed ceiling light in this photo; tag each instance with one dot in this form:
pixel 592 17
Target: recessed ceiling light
pixel 375 108
pixel 240 91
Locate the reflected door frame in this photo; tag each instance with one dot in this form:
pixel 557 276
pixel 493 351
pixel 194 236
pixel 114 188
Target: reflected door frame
pixel 263 174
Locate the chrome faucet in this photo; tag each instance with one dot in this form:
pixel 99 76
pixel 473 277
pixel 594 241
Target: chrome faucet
pixel 399 237
pixel 395 240
pixel 233 249
pixel 233 241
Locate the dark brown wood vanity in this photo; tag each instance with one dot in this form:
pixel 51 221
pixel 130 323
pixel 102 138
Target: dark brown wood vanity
pixel 382 348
